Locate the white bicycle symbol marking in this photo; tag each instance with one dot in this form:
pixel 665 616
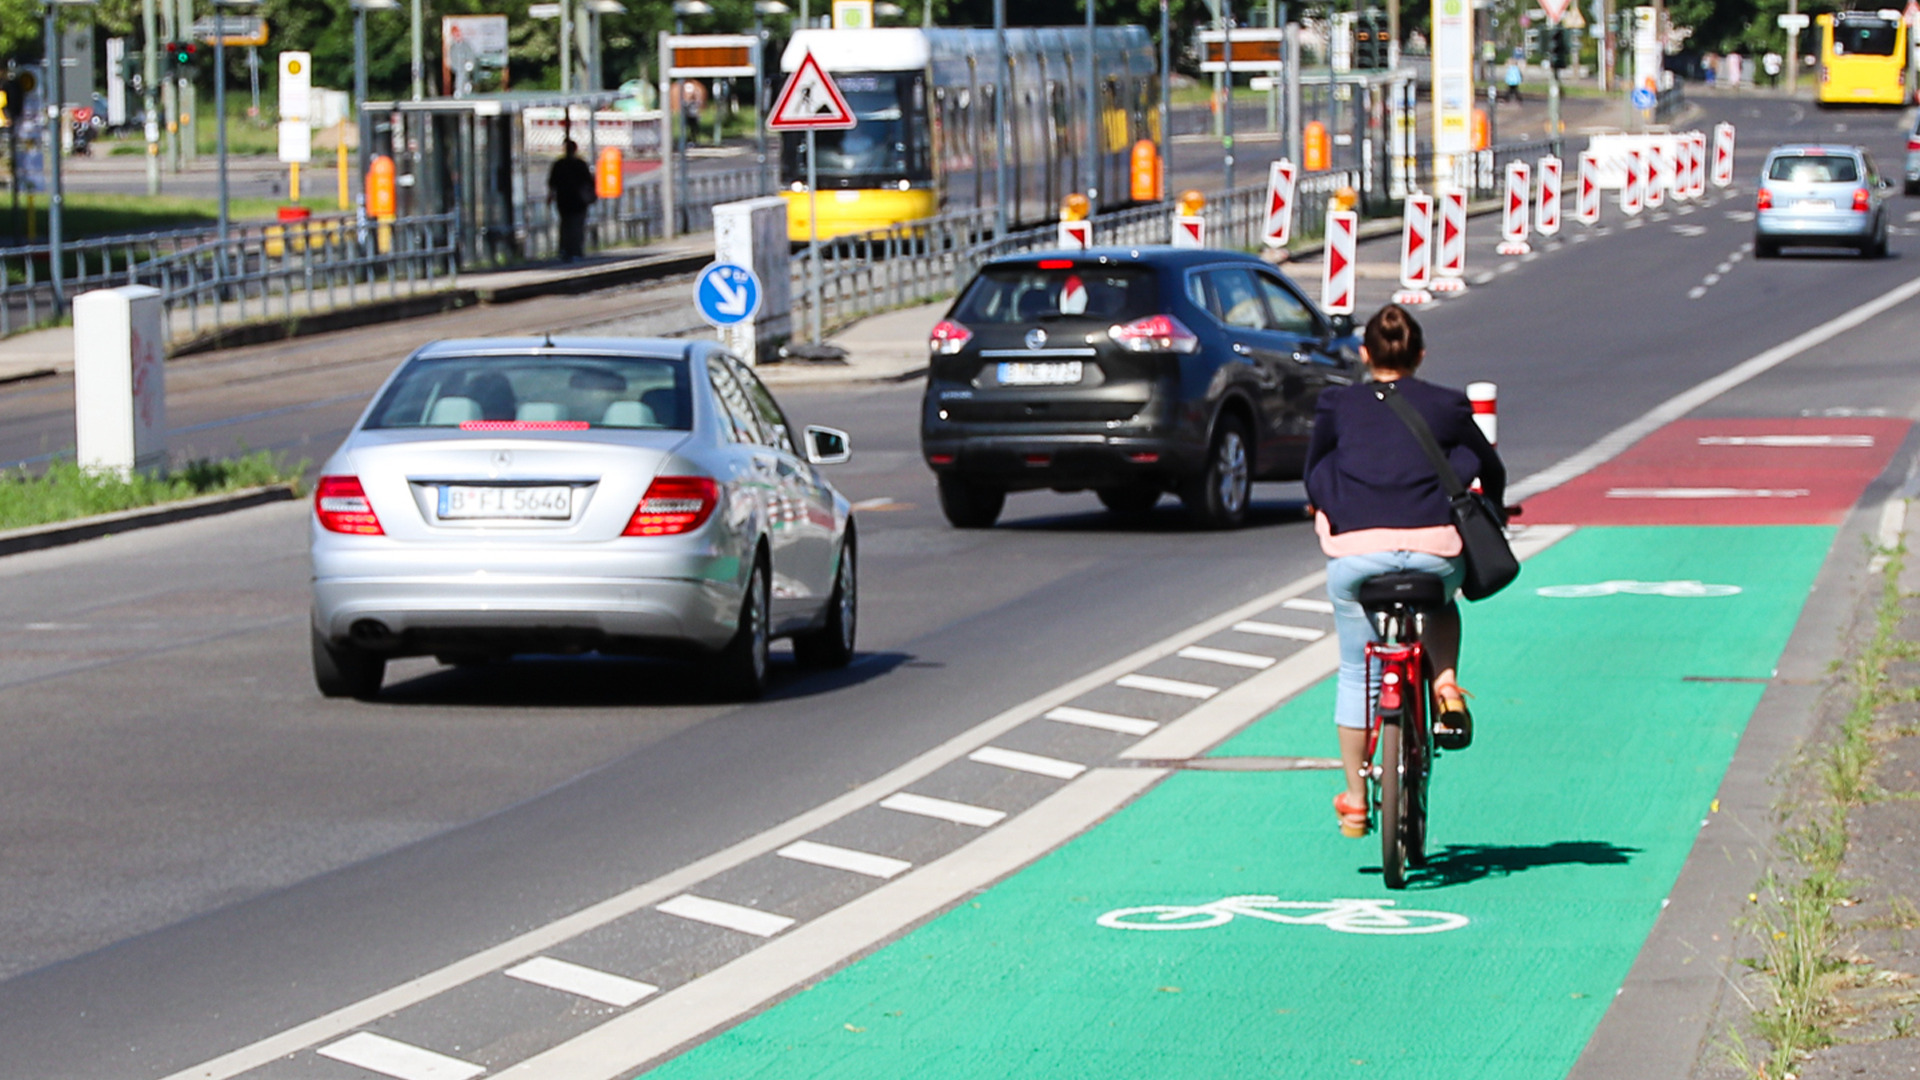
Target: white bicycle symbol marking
pixel 1345 916
pixel 1685 590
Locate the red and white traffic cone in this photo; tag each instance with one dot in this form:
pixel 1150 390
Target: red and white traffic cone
pixel 1483 396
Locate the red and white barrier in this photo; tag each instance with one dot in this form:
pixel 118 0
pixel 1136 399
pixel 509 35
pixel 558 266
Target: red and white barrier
pixel 1076 235
pixel 1336 275
pixel 1513 217
pixel 1683 167
pixel 1189 231
pixel 1416 250
pixel 1279 227
pixel 1546 215
pixel 1586 194
pixel 1484 398
pixel 1699 164
pixel 1450 246
pixel 1633 188
pixel 1723 155
pixel 1658 167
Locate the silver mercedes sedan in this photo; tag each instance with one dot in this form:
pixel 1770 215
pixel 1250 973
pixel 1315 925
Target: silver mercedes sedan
pixel 565 495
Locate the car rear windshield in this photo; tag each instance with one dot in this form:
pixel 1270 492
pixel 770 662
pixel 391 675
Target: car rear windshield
pixel 1036 293
pixel 1814 169
pixel 506 393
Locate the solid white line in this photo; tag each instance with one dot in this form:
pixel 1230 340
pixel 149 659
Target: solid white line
pixel 839 858
pixel 730 916
pixel 1025 762
pixel 1614 442
pixel 1125 725
pixel 377 1053
pixel 622 1046
pixel 1227 657
pixel 957 812
pixel 1301 603
pixel 869 504
pixel 1157 685
pixel 1707 493
pixel 604 987
pixel 490 960
pixel 1280 630
pixel 1786 440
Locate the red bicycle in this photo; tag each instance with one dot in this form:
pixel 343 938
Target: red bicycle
pixel 1400 703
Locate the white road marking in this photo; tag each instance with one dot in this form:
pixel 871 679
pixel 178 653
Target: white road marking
pixel 391 1057
pixel 1706 493
pixel 1506 268
pixel 1483 278
pixel 730 916
pixel 1739 215
pixel 1786 440
pixel 1614 442
pixel 1690 230
pixel 1696 292
pixel 1635 223
pixel 1125 725
pixel 1302 603
pixel 1280 630
pixel 1686 210
pixel 839 858
pixel 1579 238
pixel 1158 685
pixel 1710 279
pixel 604 987
pixel 1913 215
pixel 1724 268
pixel 1020 761
pixel 1227 657
pixel 957 812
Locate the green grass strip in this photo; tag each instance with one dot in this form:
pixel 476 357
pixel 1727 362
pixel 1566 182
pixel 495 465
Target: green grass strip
pixel 66 491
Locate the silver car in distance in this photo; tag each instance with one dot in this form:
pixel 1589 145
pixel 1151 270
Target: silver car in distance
pixel 617 495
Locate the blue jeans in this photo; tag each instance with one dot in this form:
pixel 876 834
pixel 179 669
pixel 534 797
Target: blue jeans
pixel 1344 576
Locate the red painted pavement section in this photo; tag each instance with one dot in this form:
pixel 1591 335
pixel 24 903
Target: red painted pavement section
pixel 1812 485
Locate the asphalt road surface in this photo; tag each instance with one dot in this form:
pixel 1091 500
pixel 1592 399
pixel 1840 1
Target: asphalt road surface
pixel 200 853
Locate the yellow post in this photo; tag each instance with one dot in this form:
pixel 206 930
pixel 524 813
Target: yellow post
pixel 30 219
pixel 340 159
pixel 293 182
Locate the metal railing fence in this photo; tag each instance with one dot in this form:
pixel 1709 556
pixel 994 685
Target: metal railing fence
pixel 637 216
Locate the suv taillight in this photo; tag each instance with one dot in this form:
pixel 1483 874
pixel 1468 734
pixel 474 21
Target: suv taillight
pixel 1764 200
pixel 1913 143
pixel 948 338
pixel 673 505
pixel 342 506
pixel 1155 333
pixel 1862 200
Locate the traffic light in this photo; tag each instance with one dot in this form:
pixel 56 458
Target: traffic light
pixel 1370 52
pixel 1557 48
pixel 15 87
pixel 182 53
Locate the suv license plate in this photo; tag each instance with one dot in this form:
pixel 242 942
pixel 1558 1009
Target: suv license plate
pixel 1029 373
pixel 460 502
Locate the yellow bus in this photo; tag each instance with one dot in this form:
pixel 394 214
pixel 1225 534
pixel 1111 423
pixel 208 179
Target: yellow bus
pixel 1863 58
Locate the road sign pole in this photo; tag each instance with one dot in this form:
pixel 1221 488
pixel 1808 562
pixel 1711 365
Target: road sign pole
pixel 813 242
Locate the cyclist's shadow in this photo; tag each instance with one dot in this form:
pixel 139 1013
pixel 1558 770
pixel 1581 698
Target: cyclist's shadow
pixel 1457 864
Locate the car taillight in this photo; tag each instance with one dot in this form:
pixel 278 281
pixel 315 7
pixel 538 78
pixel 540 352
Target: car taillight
pixel 1913 144
pixel 342 506
pixel 673 505
pixel 1155 333
pixel 1763 201
pixel 948 338
pixel 1861 200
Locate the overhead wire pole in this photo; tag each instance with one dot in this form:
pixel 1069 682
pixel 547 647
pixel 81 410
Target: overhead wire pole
pixel 1094 124
pixel 1226 110
pixel 150 64
pixel 1166 97
pixel 1000 95
pixel 419 64
pixel 55 95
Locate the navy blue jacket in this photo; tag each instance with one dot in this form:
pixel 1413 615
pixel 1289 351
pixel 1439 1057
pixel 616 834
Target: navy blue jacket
pixel 1365 470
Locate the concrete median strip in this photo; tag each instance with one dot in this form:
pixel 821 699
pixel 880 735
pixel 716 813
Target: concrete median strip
pixel 55 534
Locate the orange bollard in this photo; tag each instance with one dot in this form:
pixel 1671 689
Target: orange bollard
pixel 1316 147
pixel 608 178
pixel 380 199
pixel 1481 129
pixel 1145 186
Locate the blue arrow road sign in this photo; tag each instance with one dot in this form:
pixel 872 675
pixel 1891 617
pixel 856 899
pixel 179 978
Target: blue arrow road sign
pixel 727 294
pixel 1642 98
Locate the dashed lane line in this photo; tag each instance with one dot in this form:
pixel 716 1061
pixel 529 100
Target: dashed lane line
pixel 839 858
pixel 1302 603
pixel 581 981
pixel 1176 687
pixel 1227 656
pixel 943 809
pixel 1021 761
pixel 1279 630
pixel 1090 718
pixel 730 916
pixel 403 1061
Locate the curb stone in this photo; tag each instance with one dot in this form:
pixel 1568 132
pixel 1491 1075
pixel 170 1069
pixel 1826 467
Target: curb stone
pixel 56 534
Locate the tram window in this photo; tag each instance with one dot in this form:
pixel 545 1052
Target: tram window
pixel 1016 294
pixel 889 144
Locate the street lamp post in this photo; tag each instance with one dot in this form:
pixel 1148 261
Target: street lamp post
pixel 419 64
pixel 1000 94
pixel 1094 125
pixel 220 105
pixel 761 9
pixel 360 9
pixel 596 10
pixel 56 97
pixel 682 9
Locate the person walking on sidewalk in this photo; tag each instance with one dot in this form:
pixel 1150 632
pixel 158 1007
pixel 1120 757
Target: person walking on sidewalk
pixel 1513 80
pixel 1379 507
pixel 570 190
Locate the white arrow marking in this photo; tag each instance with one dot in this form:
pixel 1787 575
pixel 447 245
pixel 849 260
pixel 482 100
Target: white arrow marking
pixel 732 301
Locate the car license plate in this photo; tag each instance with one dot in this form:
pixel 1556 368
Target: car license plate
pixel 1815 204
pixel 1030 373
pixel 458 502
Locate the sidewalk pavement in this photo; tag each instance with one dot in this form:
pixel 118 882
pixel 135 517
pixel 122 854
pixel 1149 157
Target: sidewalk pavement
pixel 889 347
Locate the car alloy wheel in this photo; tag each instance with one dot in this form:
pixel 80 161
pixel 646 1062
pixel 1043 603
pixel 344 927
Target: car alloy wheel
pixel 1232 469
pixel 832 645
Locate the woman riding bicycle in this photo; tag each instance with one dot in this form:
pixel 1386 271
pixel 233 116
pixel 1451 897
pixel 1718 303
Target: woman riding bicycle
pixel 1379 508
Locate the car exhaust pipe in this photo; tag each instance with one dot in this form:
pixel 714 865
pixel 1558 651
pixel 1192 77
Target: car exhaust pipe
pixel 370 632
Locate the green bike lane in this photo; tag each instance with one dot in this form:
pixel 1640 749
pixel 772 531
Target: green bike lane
pixel 1609 706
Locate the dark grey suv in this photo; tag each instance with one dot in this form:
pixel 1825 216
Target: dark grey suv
pixel 1131 372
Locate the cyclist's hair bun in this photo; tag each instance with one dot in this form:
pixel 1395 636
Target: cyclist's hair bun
pixel 1394 340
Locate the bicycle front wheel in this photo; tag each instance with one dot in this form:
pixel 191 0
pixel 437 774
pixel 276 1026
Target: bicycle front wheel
pixel 1393 806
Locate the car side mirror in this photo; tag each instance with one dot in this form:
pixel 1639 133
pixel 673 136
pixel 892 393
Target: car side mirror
pixel 827 446
pixel 1342 324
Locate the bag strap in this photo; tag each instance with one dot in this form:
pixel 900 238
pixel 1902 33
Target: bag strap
pixel 1422 434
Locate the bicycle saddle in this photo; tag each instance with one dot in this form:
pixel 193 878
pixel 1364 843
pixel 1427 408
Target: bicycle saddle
pixel 1412 588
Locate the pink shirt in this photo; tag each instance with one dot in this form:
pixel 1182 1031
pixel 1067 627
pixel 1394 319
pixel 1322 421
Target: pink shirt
pixel 1441 540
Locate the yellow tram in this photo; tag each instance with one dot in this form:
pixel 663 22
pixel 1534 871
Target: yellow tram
pixel 925 141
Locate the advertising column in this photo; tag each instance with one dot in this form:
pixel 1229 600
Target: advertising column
pixel 1452 85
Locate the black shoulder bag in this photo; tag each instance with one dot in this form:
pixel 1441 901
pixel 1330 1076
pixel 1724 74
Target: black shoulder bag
pixel 1491 565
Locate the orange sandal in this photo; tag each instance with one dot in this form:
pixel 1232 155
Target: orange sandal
pixel 1452 723
pixel 1353 815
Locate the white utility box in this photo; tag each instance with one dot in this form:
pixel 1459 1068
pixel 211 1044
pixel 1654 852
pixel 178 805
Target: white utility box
pixel 119 379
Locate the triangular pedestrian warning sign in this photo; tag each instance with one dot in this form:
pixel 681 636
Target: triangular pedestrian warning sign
pixel 810 101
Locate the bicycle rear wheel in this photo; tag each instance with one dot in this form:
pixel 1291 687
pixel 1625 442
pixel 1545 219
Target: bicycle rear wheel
pixel 1416 751
pixel 1393 806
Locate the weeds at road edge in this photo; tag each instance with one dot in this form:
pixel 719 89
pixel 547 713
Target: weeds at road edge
pixel 1793 921
pixel 66 491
